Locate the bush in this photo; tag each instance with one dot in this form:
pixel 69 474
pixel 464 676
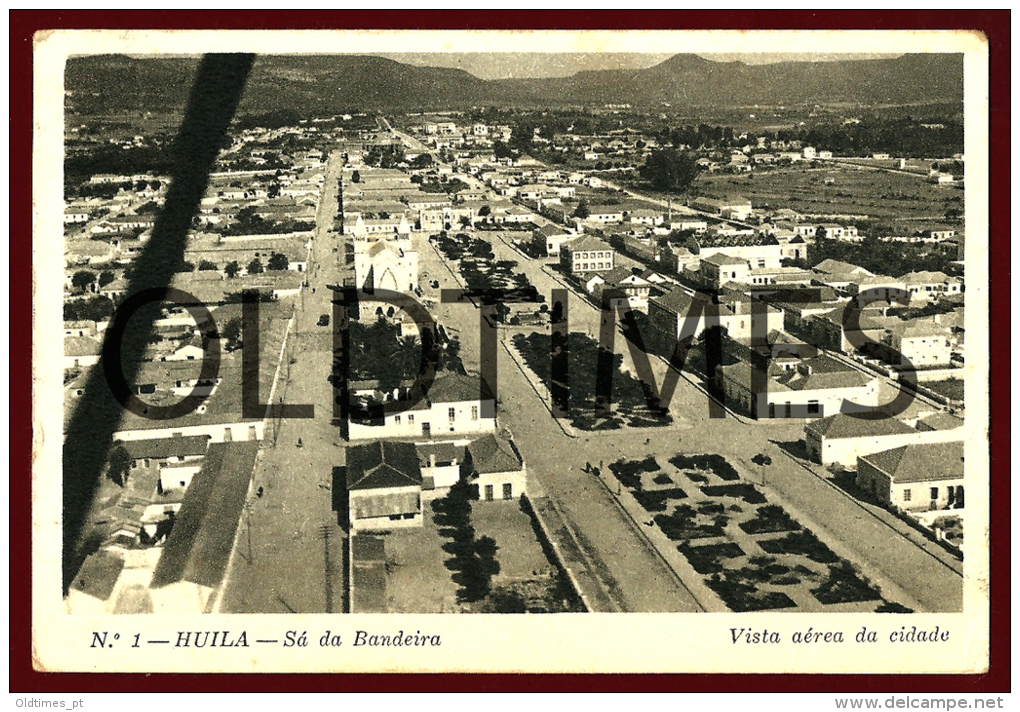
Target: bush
pixel 893 607
pixel 804 543
pixel 628 472
pixel 770 518
pixel 683 523
pixel 707 559
pixel 742 597
pixel 748 493
pixel 655 501
pixel 845 584
pixel 711 462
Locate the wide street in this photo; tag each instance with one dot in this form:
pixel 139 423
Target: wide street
pixel 289 550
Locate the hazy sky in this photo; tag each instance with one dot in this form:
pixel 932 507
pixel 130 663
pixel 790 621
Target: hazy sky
pixel 502 65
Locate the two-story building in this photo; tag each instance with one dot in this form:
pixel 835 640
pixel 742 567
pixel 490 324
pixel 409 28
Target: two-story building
pixel 585 255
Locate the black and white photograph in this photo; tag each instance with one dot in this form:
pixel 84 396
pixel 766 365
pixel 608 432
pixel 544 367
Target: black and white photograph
pixel 518 328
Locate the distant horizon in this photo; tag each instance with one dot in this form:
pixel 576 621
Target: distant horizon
pixel 541 65
pixel 548 65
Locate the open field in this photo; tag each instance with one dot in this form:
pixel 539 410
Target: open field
pixel 890 197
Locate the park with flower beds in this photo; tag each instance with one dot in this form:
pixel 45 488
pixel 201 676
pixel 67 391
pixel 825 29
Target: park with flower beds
pixel 752 553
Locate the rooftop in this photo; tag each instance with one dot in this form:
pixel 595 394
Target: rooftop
pixel 721 259
pixel 842 425
pixel 940 421
pixel 494 453
pixel 98 575
pixel 163 448
pixel 381 465
pixel 449 387
pixel 199 546
pixel 919 463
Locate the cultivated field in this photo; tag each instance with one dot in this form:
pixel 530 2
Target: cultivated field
pixel 834 190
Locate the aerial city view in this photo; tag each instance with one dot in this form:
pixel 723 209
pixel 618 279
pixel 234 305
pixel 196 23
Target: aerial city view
pixel 473 334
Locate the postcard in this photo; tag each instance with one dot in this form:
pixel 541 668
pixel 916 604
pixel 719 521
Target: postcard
pixel 511 351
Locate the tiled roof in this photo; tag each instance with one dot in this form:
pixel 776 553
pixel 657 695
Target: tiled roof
pixel 81 346
pixel 675 300
pixel 835 267
pixel 454 388
pixel 381 465
pixel 798 381
pixel 721 259
pixel 162 448
pixel 588 244
pixel 920 463
pixel 842 425
pixel 941 421
pixel 494 454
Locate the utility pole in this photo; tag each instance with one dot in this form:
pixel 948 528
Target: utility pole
pixel 247 507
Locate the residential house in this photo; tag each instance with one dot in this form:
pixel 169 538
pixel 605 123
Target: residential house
pixel 732 207
pixel 843 233
pixel 926 286
pixel 841 438
pixel 839 275
pixel 605 214
pixel 194 559
pixel 548 238
pixel 915 477
pixel 623 288
pixel 720 268
pixel 814 388
pixel 81 351
pixel 453 406
pixel 384 486
pixel 495 469
pixel 879 287
pixel 918 344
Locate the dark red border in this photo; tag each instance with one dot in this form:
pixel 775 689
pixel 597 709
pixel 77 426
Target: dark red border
pixel 23 24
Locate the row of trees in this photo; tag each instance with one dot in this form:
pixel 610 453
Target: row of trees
pixel 474 558
pixel 898 137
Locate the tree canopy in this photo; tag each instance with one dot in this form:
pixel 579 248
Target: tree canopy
pixel 278 262
pixel 82 280
pixel 671 170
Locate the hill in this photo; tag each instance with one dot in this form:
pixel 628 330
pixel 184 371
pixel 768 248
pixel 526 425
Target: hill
pixel 321 84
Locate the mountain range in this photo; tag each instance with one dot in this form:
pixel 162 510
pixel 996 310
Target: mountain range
pixel 316 85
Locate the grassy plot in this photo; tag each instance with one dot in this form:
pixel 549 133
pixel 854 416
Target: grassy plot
pixel 836 190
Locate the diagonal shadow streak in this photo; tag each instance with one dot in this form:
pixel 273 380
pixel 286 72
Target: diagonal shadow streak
pixel 219 84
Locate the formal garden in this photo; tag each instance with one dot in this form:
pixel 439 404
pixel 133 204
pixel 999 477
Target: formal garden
pixel 481 272
pixel 751 552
